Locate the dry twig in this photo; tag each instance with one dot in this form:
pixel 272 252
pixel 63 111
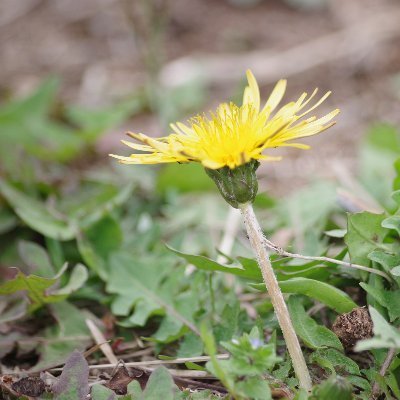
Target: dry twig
pixel 101 341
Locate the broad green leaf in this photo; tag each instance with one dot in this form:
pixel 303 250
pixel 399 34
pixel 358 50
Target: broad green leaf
pixel 385 335
pixel 39 290
pixel 364 234
pixel 198 395
pixel 94 201
pixel 136 282
pixel 384 389
pixel 395 271
pixel 78 277
pixel 250 358
pixel 378 152
pixel 105 235
pixel 335 387
pixel 27 124
pixel 135 390
pixel 35 287
pixel 69 334
pixel 73 383
pixel 36 104
pixel 386 298
pixel 250 355
pixel 321 291
pixel 160 386
pixel 250 271
pixel 98 242
pixel 391 381
pixel 388 261
pixel 36 215
pixel 392 222
pixel 338 360
pixel 228 325
pixel 254 387
pixel 248 268
pixel 396 196
pixel 170 328
pixel 139 283
pixel 95 262
pixel 301 395
pixel 336 233
pixel 190 346
pixel 8 220
pixel 285 269
pixel 36 258
pixel 100 392
pixel 56 252
pixel 313 335
pixel 396 182
pixel 282 370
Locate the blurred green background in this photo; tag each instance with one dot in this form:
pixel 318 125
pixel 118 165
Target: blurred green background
pixel 74 75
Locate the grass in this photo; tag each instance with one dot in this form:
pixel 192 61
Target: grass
pixel 135 252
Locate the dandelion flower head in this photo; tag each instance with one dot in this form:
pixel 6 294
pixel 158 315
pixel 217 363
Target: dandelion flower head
pixel 234 135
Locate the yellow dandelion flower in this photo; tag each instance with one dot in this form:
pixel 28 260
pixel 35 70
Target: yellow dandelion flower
pixel 234 135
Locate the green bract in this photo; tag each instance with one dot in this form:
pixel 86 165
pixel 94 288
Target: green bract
pixel 237 186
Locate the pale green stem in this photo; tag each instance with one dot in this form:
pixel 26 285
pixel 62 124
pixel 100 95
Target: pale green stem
pixel 257 241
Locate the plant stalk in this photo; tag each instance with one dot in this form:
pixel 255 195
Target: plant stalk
pixel 257 242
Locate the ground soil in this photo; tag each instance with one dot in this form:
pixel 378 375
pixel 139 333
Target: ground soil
pixel 94 46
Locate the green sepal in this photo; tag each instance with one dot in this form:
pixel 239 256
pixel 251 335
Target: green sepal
pixel 237 186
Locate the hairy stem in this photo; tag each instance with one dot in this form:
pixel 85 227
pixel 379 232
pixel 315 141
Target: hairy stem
pixel 257 242
pixel 285 253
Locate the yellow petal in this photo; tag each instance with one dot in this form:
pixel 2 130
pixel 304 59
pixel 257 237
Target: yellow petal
pixel 317 104
pixel 212 164
pixel 254 90
pixel 247 98
pixel 136 146
pixel 276 95
pixel 155 143
pixel 296 145
pixel 121 158
pixel 185 129
pixel 269 158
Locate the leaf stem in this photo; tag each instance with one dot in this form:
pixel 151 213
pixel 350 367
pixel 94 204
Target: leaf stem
pixel 257 241
pixel 285 253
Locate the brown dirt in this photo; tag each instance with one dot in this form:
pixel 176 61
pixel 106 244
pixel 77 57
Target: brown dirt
pixel 92 45
pixel 353 326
